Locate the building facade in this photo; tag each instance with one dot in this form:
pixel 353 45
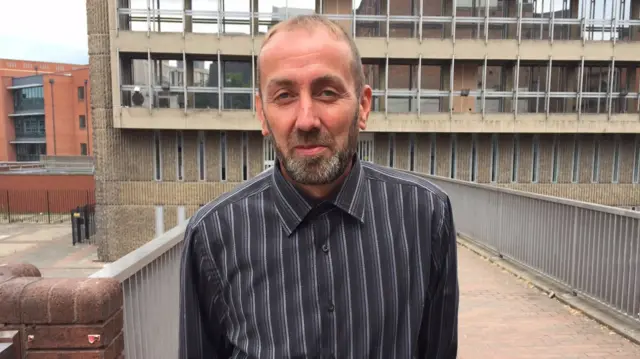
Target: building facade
pixel 539 95
pixel 44 110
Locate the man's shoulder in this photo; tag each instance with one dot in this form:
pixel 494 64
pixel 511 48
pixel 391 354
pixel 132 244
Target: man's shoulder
pixel 244 190
pixel 380 173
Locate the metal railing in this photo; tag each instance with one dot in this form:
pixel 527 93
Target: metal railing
pixel 51 164
pixel 151 284
pixel 42 205
pixel 592 249
pixel 9 344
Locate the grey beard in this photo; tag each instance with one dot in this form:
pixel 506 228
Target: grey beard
pixel 318 170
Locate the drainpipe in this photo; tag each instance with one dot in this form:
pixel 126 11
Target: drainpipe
pixel 53 114
pixel 86 114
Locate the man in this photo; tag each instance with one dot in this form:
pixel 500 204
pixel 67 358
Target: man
pixel 323 256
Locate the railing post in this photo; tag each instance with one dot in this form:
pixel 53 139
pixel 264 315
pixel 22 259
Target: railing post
pixel 499 214
pixel 86 222
pixel 8 208
pixel 574 248
pixel 48 208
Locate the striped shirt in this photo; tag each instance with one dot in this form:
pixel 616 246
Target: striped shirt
pixel 370 273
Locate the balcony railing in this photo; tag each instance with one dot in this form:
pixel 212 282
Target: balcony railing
pixel 590 250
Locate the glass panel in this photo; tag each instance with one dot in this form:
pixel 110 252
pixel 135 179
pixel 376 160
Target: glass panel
pixel 28 99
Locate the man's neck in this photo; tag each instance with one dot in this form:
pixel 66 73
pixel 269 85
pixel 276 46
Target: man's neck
pixel 319 192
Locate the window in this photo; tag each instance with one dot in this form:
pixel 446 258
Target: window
pixel 412 152
pixel 223 156
pixel 82 121
pixel 81 93
pixel 83 149
pixel 616 160
pixel 180 154
pixel 576 160
pixel 28 99
pixel 245 156
pixel 392 146
pixel 596 159
pixel 515 158
pixel 554 160
pixel 535 161
pixel 201 156
pixel 269 153
pixel 494 158
pixel 432 164
pixel 157 157
pixel 365 147
pixel 452 170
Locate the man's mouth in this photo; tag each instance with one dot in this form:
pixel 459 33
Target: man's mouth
pixel 309 150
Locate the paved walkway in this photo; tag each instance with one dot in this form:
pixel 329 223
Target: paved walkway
pixel 501 316
pixel 48 247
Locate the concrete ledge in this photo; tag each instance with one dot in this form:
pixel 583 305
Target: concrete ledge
pixel 35 300
pixel 12 270
pixel 617 322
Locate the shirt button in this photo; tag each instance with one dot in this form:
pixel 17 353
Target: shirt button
pixel 331 307
pixel 325 248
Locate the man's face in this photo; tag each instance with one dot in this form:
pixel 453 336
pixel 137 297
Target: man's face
pixel 308 104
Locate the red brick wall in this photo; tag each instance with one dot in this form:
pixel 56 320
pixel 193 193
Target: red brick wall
pixel 61 317
pixel 20 194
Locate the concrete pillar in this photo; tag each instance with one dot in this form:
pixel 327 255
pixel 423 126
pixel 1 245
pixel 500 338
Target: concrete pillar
pixel 188 19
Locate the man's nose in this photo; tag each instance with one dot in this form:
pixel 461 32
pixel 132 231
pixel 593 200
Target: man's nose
pixel 306 118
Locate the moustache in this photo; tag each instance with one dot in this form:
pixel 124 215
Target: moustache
pixel 312 138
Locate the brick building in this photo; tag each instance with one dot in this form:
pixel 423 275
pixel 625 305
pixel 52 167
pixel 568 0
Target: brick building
pixel 44 110
pixel 529 94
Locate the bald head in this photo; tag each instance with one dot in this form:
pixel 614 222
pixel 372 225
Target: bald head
pixel 313 23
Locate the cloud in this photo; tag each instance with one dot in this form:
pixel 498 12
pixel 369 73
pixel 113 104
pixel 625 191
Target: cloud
pixel 39 50
pixel 53 32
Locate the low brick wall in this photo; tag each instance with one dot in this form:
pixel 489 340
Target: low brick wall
pixel 57 318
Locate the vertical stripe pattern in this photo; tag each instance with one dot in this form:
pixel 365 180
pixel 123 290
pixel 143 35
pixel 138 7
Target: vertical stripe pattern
pixel 369 273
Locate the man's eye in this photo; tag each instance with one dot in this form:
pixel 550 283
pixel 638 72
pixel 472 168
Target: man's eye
pixel 282 96
pixel 327 93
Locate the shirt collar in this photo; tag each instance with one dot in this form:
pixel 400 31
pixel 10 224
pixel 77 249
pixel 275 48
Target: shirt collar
pixel 293 207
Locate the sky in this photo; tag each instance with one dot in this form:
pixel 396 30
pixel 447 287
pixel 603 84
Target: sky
pixel 51 31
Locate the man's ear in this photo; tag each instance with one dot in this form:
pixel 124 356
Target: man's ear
pixel 365 106
pixel 260 113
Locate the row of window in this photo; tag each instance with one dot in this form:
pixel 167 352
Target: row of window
pixel 562 20
pixel 515 159
pixel 366 152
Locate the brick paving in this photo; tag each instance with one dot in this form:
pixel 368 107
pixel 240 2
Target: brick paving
pixel 502 316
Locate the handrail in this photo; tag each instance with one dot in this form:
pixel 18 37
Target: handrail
pixel 139 258
pixel 9 348
pixel 538 196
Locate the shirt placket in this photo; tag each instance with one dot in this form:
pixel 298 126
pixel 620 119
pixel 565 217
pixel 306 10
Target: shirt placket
pixel 321 229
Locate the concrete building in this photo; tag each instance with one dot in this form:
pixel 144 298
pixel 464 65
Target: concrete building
pixel 539 95
pixel 44 110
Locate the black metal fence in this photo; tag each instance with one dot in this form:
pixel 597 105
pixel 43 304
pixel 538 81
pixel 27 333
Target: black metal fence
pixel 42 206
pixel 83 224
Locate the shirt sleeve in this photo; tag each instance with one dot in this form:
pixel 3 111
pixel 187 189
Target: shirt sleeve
pixel 439 330
pixel 201 332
